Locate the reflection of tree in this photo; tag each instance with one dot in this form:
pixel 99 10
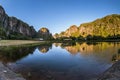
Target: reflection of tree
pixel 57 44
pixel 116 56
pixel 12 54
pixel 69 44
pixel 78 47
pixel 72 50
pixel 44 48
pixel 119 51
pixel 101 50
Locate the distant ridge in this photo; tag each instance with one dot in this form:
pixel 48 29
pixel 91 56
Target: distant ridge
pixel 13 28
pixel 106 27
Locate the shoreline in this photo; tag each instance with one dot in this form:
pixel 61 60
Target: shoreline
pixel 112 73
pixel 18 42
pixel 7 74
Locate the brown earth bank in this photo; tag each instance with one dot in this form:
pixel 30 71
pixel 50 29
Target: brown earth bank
pixel 113 73
pixel 7 74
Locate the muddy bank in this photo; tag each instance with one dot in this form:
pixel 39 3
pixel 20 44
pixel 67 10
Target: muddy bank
pixel 7 74
pixel 113 73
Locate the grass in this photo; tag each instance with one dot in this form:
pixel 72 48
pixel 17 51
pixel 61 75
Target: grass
pixel 15 52
pixel 17 42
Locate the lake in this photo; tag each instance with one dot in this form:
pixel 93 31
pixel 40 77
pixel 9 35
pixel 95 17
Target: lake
pixel 61 61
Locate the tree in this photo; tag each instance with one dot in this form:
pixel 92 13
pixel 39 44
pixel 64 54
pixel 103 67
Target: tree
pixel 2 33
pixel 56 35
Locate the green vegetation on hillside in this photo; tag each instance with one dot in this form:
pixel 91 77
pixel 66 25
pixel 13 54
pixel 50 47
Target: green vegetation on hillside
pixel 44 34
pixel 2 32
pixel 16 29
pixel 100 29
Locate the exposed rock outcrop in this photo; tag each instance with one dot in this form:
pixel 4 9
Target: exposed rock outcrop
pixel 44 33
pixel 108 26
pixel 14 27
pixel 105 27
pixel 7 74
pixel 19 26
pixel 113 73
pixel 72 31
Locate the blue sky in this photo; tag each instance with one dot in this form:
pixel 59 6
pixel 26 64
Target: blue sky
pixel 58 15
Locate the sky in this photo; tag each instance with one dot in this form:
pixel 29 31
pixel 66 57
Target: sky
pixel 59 15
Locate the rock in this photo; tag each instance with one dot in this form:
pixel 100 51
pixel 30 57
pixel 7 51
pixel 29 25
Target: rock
pixel 17 29
pixel 113 73
pixel 7 74
pixel 70 32
pixel 14 26
pixel 21 27
pixel 108 26
pixel 44 33
pixel 29 74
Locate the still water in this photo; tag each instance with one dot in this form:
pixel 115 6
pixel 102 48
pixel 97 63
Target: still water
pixel 61 61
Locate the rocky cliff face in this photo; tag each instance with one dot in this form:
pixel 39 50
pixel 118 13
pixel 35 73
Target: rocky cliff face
pixel 44 33
pixel 107 26
pixel 71 31
pixel 14 27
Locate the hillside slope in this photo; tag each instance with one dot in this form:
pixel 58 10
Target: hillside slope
pixel 12 28
pixel 106 27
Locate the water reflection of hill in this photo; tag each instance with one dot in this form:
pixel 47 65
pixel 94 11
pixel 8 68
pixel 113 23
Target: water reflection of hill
pixel 12 54
pixel 101 49
pixel 44 48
